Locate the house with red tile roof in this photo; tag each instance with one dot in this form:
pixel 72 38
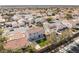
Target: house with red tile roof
pixel 16 41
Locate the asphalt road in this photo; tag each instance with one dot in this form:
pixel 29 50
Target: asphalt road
pixel 72 47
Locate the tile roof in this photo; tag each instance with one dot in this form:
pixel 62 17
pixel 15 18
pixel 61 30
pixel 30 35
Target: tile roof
pixel 34 30
pixel 13 44
pixel 56 26
pixel 15 35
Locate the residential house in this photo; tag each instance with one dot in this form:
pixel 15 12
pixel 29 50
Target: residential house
pixel 14 24
pixel 2 21
pixel 35 34
pixel 55 26
pixel 21 22
pixel 16 40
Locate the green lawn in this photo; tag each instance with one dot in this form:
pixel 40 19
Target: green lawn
pixel 42 42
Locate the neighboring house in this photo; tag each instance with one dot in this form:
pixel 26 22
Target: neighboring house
pixel 41 20
pixel 76 26
pixel 14 24
pixel 56 26
pixel 15 17
pixel 34 34
pixel 49 13
pixel 67 23
pixel 14 44
pixel 2 21
pixel 39 15
pixel 21 22
pixel 15 35
pixel 30 20
pixel 73 22
pixel 16 40
pixel 21 29
pixel 8 24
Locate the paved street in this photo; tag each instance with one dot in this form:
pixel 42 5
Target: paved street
pixel 72 47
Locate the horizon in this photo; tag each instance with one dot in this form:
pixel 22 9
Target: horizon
pixel 38 6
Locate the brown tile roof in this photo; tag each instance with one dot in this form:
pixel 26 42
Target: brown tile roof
pixel 34 30
pixel 15 35
pixel 17 43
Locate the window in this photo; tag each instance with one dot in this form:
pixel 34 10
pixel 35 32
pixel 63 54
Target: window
pixel 39 36
pixel 32 39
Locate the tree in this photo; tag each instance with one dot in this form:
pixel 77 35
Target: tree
pixel 8 51
pixel 17 50
pixel 68 16
pixel 1 31
pixel 57 10
pixel 69 11
pixel 39 24
pixel 30 49
pixel 2 40
pixel 1 47
pixel 66 34
pixel 52 37
pixel 70 32
pixel 49 19
pixel 24 49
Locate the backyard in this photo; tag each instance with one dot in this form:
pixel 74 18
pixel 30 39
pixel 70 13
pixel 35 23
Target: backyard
pixel 43 42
